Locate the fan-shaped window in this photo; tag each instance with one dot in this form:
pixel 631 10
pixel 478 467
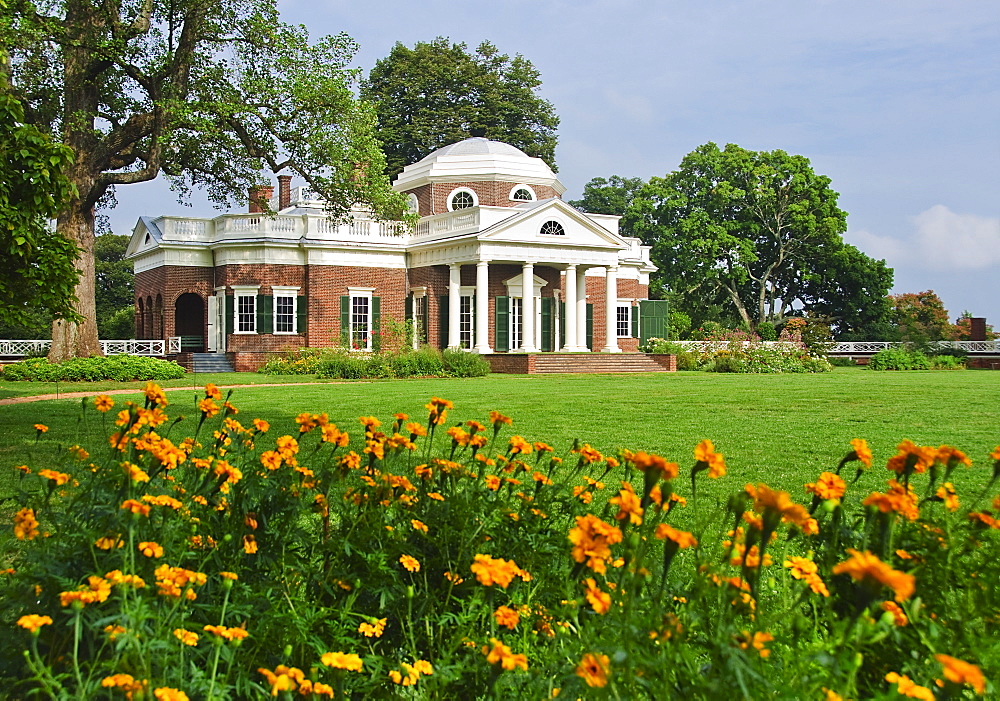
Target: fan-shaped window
pixel 522 193
pixel 412 203
pixel 552 228
pixel 462 198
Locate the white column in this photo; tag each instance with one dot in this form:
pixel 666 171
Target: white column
pixel 570 343
pixel 528 309
pixel 611 310
pixel 581 310
pixel 454 309
pixel 483 308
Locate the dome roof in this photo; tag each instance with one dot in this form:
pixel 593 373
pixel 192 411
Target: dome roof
pixel 477 159
pixel 476 146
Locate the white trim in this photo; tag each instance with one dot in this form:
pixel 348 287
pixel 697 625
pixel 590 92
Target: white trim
pixel 360 293
pixel 418 292
pixel 244 291
pixel 413 203
pixel 457 190
pixel 624 304
pixel 519 186
pixel 284 291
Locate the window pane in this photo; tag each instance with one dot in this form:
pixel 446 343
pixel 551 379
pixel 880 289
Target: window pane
pixel 284 314
pixel 246 313
pixel 465 322
pixel 360 323
pixel 624 322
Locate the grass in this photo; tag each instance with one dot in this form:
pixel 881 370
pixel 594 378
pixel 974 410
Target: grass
pixel 782 429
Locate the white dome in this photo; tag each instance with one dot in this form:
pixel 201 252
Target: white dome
pixel 477 159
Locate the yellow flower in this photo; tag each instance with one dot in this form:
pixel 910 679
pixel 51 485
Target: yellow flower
pixel 828 486
pixel 25 524
pixel 418 525
pixel 41 428
pixel 592 538
pixel 757 641
pixel 866 568
pixel 705 454
pixel 906 687
pixel 154 394
pixel 283 678
pixel 212 391
pixel 506 616
pixel 231 634
pixel 32 622
pixel 594 669
pixel 208 408
pixel 960 672
pixel 188 637
pixel 59 478
pixel 410 563
pixel 682 538
pixel 342 660
pixel 629 505
pixel 118 578
pixel 599 600
pixel 249 545
pixel 502 654
pixel 898 617
pixel 490 571
pixel 103 403
pixel 946 493
pixel 861 451
pixel 151 549
pixel 372 630
pixel 114 631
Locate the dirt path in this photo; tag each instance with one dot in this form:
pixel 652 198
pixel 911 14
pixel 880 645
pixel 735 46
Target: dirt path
pixel 77 395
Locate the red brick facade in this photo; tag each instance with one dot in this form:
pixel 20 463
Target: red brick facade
pixel 433 197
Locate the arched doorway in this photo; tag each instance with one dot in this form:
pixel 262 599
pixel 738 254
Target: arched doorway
pixel 189 322
pixel 140 323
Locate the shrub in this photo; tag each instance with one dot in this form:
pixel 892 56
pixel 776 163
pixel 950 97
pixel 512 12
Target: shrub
pixel 459 363
pixel 766 331
pixel 686 359
pixel 120 368
pixel 901 358
pixel 225 563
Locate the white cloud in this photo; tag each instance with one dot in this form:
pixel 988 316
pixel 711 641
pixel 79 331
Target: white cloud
pixel 943 240
pixel 958 241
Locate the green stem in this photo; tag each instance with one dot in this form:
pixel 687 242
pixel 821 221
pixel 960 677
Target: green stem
pixel 218 645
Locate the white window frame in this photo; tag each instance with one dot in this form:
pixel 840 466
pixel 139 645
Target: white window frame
pixel 413 203
pixel 522 186
pixel 292 292
pixel 245 291
pixel 625 304
pixel 467 318
pixel 457 190
pixel 419 321
pixel 552 220
pixel 360 293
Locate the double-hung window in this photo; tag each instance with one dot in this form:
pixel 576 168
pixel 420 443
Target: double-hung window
pixel 285 306
pixel 360 315
pixel 624 320
pixel 245 309
pixel 465 321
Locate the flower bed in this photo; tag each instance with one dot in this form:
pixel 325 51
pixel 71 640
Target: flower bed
pixel 202 558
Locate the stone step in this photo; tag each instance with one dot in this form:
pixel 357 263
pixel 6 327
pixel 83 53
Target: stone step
pixel 210 362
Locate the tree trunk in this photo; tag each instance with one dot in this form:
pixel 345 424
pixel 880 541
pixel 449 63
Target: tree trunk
pixel 78 339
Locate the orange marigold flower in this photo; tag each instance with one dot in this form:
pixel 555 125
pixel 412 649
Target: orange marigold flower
pixel 496 418
pixel 828 486
pixel 136 507
pixel 341 660
pixel 866 568
pixel 861 451
pixel 118 578
pixel 249 545
pixel 435 496
pixel 151 549
pixel 898 498
pixel 502 654
pixel 961 672
pixel 212 391
pixel 952 457
pixel 598 599
pixel 187 637
pixel 271 459
pixel 506 616
pixel 907 687
pixel 519 445
pixel 490 571
pixel 25 524
pixel 592 538
pixel 373 630
pixel 653 465
pixel 410 563
pixel 261 425
pixel 108 543
pixel 492 482
pixel 208 408
pixel 766 499
pixel 629 505
pixel 682 538
pixel 225 633
pixel 166 693
pixel 757 641
pixel 418 525
pixel 283 678
pixel 125 682
pixel 114 631
pixel 96 590
pixel 594 669
pixel 898 617
pixel 946 493
pixel 32 622
pixel 41 428
pixel 162 500
pixel 919 458
pixel 103 403
pixel 704 453
pixel 589 455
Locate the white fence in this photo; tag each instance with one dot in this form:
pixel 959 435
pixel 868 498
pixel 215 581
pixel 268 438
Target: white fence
pixel 869 347
pixel 21 348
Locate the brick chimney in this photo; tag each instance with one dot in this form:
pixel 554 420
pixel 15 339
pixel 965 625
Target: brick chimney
pixel 284 191
pixel 977 328
pixel 259 197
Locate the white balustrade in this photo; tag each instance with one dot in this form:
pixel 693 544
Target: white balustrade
pixel 153 346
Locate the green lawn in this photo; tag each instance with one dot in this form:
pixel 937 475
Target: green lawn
pixel 783 429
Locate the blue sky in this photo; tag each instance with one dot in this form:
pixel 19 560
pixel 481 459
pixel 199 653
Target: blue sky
pixel 898 102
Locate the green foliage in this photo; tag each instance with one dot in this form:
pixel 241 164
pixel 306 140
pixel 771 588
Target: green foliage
pixel 766 331
pixel 904 358
pixel 38 271
pixel 438 93
pixel 120 368
pixel 398 545
pixel 680 324
pixel 758 234
pixel 740 352
pixel 118 324
pixel 613 195
pixel 115 282
pixel 459 363
pixel 920 317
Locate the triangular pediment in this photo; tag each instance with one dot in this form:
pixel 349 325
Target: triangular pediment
pixel 533 226
pixel 145 237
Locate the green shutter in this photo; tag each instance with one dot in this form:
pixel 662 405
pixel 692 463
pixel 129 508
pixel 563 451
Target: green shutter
pixel 422 301
pixel 635 322
pixel 409 307
pixel 230 311
pixel 654 321
pixel 443 322
pixel 376 324
pixel 503 325
pixel 301 315
pixel 547 340
pixel 562 323
pixel 345 321
pixel 590 326
pixel 265 314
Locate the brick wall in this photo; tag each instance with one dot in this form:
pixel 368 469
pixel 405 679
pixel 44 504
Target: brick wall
pixel 170 282
pixel 326 284
pixel 433 197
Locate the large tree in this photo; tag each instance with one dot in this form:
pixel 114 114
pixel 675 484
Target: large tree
pixel 760 231
pixel 208 92
pixel 438 93
pixel 611 195
pixel 38 273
